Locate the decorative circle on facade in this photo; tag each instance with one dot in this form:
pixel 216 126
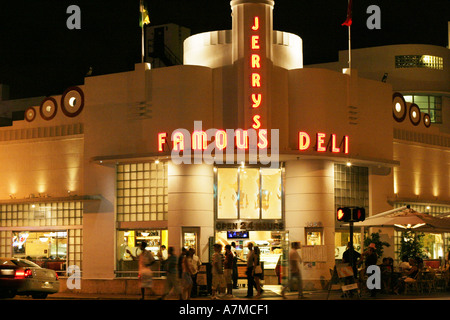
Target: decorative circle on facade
pixel 30 114
pixel 414 114
pixel 427 120
pixel 72 101
pixel 398 107
pixel 48 108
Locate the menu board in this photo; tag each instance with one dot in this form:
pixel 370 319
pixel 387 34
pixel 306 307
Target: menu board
pixel 314 253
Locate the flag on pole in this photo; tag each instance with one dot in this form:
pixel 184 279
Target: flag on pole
pixel 348 21
pixel 145 19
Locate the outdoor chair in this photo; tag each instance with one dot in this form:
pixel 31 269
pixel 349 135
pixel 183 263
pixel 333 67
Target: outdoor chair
pixel 413 283
pixel 441 281
pixel 428 281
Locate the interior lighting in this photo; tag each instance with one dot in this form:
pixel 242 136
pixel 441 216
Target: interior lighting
pixel 349 164
pixel 408 226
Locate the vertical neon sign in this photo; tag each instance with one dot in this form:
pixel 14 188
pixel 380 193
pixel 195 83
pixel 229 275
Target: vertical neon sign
pixel 255 79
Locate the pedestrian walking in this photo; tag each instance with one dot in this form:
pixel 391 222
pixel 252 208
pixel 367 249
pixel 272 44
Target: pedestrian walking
pixel 228 269
pixel 218 281
pixel 257 271
pixel 371 259
pixel 146 260
pixel 171 268
pixel 196 263
pixel 186 276
pixel 295 271
pixel 235 267
pixel 249 272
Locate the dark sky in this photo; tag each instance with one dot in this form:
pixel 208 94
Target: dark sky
pixel 40 56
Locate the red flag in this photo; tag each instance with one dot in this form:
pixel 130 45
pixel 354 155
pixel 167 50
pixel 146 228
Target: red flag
pixel 348 22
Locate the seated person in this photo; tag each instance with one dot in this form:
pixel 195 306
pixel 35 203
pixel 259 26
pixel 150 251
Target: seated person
pixel 404 265
pixel 409 276
pixel 386 274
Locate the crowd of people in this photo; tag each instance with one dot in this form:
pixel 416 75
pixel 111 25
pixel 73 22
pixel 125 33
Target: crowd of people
pixel 181 272
pixel 393 280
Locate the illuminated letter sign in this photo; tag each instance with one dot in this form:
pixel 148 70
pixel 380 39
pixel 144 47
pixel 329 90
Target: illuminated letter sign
pixel 241 139
pixel 255 76
pixel 178 141
pixel 333 144
pixel 304 143
pixel 199 140
pixel 221 139
pixel 161 140
pixel 320 142
pixel 256 99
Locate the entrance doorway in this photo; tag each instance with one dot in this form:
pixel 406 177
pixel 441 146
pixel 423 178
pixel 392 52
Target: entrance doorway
pixel 274 247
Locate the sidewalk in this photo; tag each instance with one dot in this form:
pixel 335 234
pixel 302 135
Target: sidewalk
pixel 270 293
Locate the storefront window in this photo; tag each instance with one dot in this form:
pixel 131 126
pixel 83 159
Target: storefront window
pixel 48 249
pixel 227 207
pixel 249 193
pixel 271 194
pixel 54 238
pixel 128 246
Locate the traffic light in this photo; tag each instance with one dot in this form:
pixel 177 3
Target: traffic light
pixel 358 214
pixel 351 214
pixel 344 214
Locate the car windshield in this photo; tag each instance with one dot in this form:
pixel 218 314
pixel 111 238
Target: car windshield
pixel 24 263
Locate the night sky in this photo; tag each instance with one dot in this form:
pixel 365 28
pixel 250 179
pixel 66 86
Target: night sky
pixel 40 56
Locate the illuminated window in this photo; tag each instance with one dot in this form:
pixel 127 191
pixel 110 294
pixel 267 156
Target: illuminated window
pixel 431 105
pixel 142 193
pixel 129 241
pixel 419 61
pixel 314 236
pixel 249 193
pixel 63 246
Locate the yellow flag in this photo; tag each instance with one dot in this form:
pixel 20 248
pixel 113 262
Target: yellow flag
pixel 145 19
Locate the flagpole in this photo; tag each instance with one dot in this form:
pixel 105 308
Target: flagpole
pixel 349 50
pixel 141 9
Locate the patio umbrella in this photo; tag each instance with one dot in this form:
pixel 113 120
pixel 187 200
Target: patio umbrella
pixel 408 218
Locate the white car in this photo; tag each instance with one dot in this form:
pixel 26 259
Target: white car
pixel 34 280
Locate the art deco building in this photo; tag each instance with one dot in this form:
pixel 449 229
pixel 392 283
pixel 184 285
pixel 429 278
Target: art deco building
pixel 240 143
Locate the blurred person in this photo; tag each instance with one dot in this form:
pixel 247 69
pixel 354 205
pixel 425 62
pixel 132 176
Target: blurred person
pixel 162 256
pixel 355 256
pixel 295 275
pixel 218 281
pixel 186 275
pixel 409 276
pixel 146 260
pixel 235 268
pixel 257 271
pixel 180 262
pixel 404 265
pixel 371 259
pixel 228 269
pixel 249 272
pixel 172 282
pixel 196 263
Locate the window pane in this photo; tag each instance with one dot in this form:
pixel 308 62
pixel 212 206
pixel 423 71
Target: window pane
pixel 271 193
pixel 249 193
pixel 227 193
